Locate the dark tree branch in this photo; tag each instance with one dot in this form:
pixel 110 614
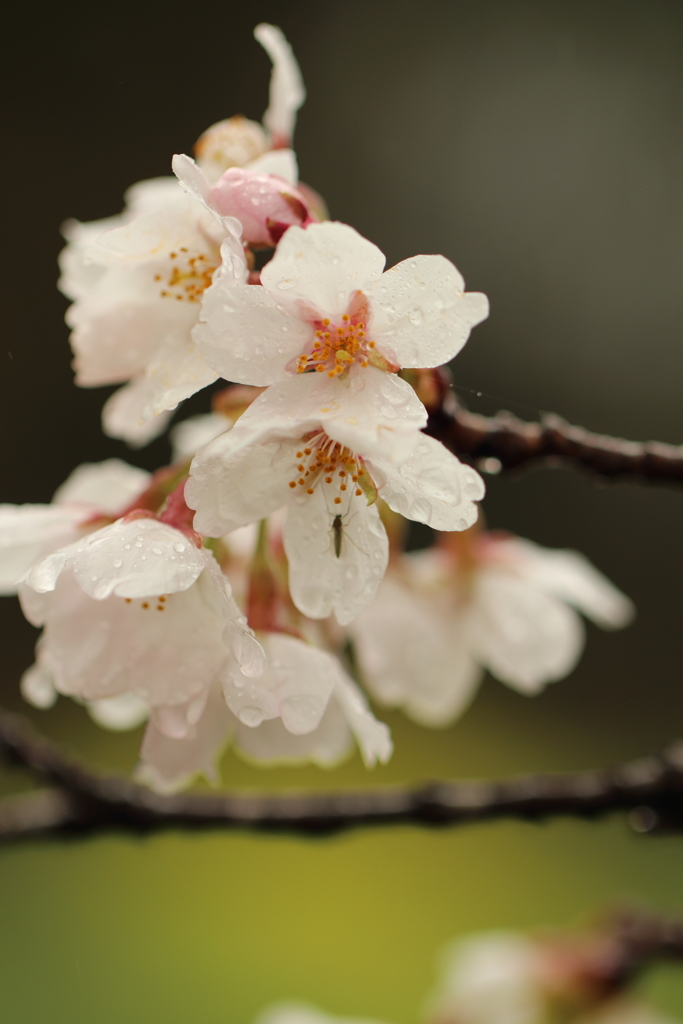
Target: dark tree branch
pixel 80 802
pixel 514 443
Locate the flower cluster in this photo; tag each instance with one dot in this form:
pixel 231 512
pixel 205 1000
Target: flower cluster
pixel 231 596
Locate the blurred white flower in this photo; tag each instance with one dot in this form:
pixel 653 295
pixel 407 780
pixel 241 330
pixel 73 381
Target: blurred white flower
pixel 325 305
pixel 301 1013
pixel 93 491
pixel 325 448
pixel 479 601
pixel 510 978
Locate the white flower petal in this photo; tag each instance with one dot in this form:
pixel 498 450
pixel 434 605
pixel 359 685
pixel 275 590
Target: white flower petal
pixel 287 91
pixel 175 373
pixel 270 743
pixel 165 653
pixel 245 335
pixel 295 686
pixel 122 415
pixel 196 184
pixel 238 479
pixel 370 411
pixel 37 687
pixel 26 532
pixel 419 315
pixel 337 555
pixel 280 162
pixel 316 270
pixel 373 737
pixel 524 637
pixel 193 433
pixel 170 764
pixel 301 1013
pixel 571 577
pixel 107 486
pixel 430 486
pixel 138 558
pixel 126 711
pixel 415 657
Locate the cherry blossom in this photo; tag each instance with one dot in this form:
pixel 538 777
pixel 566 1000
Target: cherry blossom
pixel 509 978
pixel 325 305
pixel 137 607
pixel 91 493
pixel 479 601
pixel 326 448
pixel 304 707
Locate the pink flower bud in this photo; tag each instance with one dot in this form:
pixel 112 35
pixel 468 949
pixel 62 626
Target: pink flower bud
pixel 265 204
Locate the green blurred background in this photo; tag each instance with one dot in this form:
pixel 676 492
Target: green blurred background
pixel 538 145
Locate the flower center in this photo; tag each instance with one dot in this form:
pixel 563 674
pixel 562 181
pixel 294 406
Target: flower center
pixel 336 348
pixel 326 460
pixel 188 276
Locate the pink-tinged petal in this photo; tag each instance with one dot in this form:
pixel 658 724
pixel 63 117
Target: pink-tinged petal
pixel 170 764
pixel 122 414
pixel 524 637
pixel 337 554
pixel 316 270
pixel 238 479
pixel 414 658
pixel 430 486
pixel 27 532
pixel 295 686
pixel 245 336
pixel 105 486
pixel 287 91
pixel 373 737
pixel 280 162
pixel 571 577
pixel 136 559
pixel 420 314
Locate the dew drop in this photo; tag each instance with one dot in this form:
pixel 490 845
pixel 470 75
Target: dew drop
pixel 179 548
pixel 251 716
pixel 117 563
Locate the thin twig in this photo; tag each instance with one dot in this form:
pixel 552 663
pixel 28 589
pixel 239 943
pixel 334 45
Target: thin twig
pixel 81 802
pixel 513 443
